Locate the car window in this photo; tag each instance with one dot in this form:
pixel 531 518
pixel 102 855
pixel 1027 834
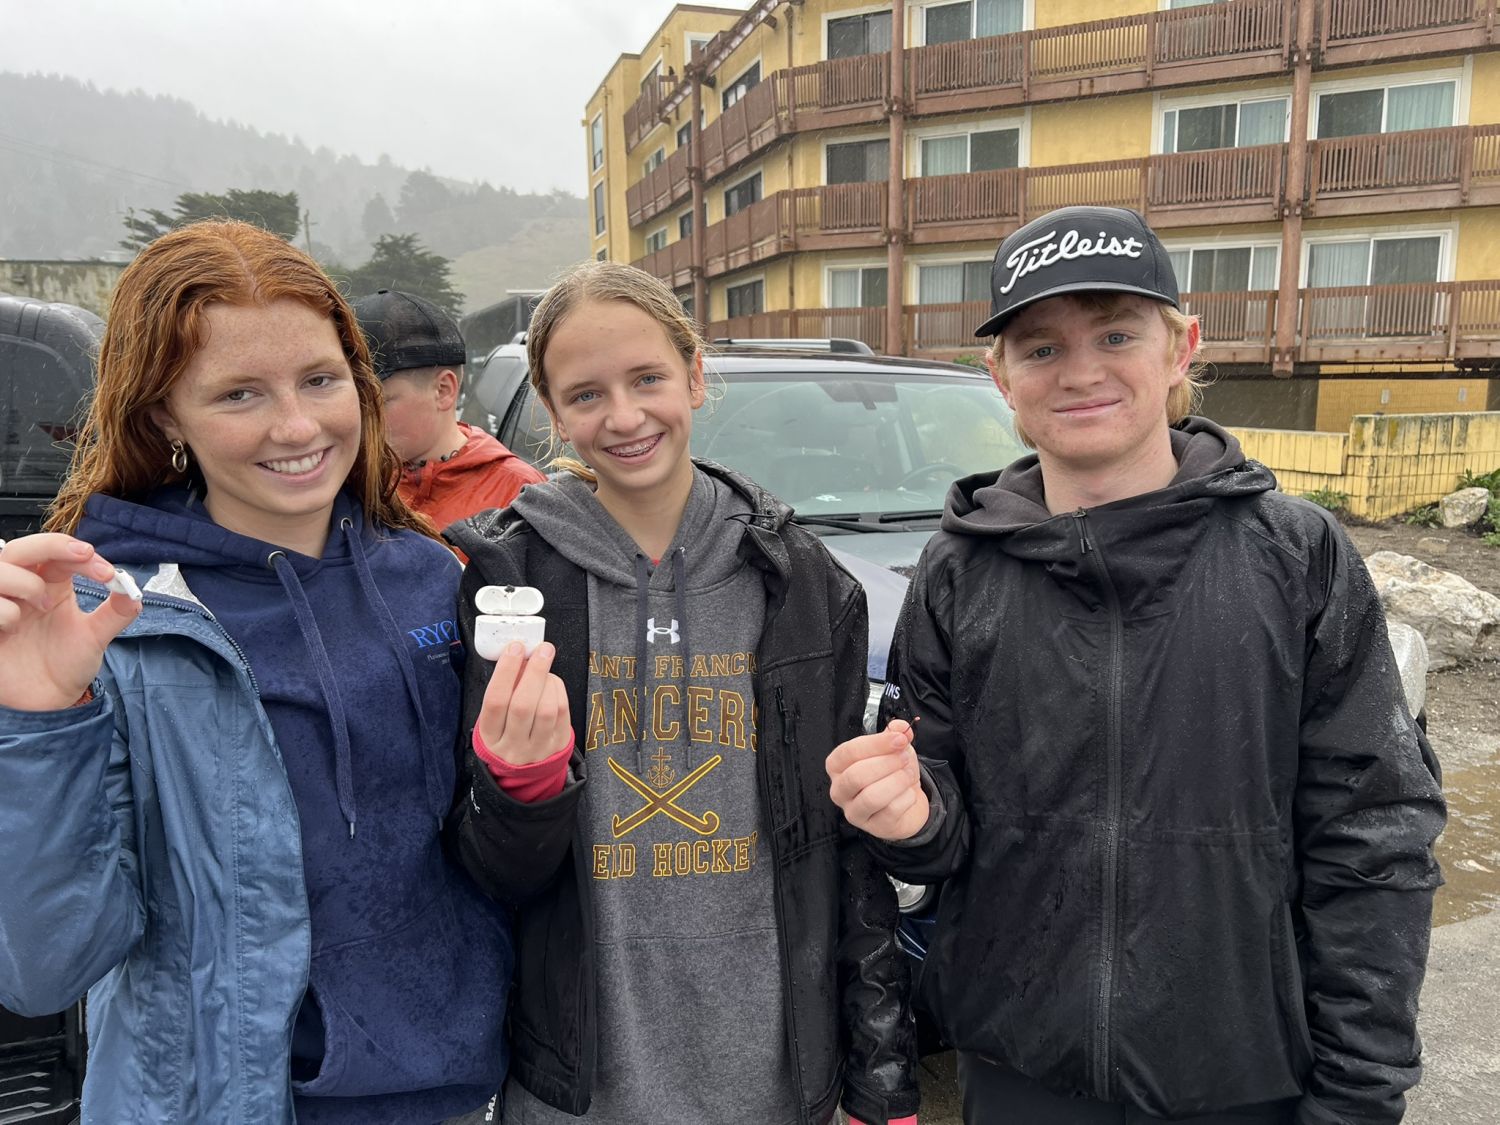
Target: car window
pixel 40 401
pixel 527 432
pixel 841 442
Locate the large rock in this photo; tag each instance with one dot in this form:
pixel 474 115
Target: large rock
pixel 1464 508
pixel 1454 616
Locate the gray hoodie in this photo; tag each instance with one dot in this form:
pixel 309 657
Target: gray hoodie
pixel 691 1020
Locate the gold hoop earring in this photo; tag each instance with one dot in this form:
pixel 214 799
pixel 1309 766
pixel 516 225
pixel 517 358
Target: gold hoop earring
pixel 179 456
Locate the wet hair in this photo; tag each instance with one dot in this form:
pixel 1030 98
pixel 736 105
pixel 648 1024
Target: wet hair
pixel 157 324
pixel 1182 399
pixel 604 281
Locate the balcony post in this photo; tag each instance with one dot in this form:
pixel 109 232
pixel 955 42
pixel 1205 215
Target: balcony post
pixel 1294 194
pixel 699 210
pixel 895 218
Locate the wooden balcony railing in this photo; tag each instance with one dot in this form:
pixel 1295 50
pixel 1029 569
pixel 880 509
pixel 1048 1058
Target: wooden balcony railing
pixel 1441 320
pixel 1418 158
pixel 660 189
pixel 837 208
pixel 643 114
pixel 863 80
pixel 1363 19
pixel 762 230
pixel 673 263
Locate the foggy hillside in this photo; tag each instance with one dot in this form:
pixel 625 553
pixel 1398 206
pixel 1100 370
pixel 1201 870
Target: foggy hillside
pixel 74 158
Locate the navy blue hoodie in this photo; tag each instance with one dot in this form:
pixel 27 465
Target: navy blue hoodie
pixel 353 657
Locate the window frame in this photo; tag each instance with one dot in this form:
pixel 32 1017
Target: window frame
pixel 849 14
pixel 601 209
pixel 596 160
pixel 855 139
pixel 754 279
pixel 1020 122
pixel 1166 104
pixel 1447 248
pixel 914 270
pixel 1223 242
pixel 759 194
pixel 1461 76
pixel 760 76
pixel 916 27
pixel 664 234
pixel 830 268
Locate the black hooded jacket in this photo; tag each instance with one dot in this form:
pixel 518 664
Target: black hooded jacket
pixel 1184 817
pixel 846 981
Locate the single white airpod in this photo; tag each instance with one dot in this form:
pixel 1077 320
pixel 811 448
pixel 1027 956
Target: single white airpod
pixel 506 614
pixel 122 583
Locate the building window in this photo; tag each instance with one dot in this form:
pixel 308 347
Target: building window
pixel 656 240
pixel 947 284
pixel 691 45
pixel 972 19
pixel 684 134
pixel 596 142
pixel 1390 109
pixel 653 162
pixel 1398 260
pixel 685 299
pixel 652 81
pixel 859 162
pixel 861 287
pixel 971 152
pixel 865 34
pixel 602 256
pixel 599 207
pixel 741 85
pixel 1224 125
pixel 742 195
pixel 685 225
pixel 1225 269
pixel 746 299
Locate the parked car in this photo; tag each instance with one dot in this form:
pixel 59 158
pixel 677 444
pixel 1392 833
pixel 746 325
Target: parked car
pixel 47 356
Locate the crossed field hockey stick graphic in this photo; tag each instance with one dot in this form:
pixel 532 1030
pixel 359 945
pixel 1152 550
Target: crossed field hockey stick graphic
pixel 666 801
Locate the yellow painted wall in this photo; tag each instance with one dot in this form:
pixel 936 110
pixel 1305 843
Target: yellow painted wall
pixel 1339 400
pixel 1387 464
pixel 1478 256
pixel 1117 128
pixel 1484 91
pixel 1055 13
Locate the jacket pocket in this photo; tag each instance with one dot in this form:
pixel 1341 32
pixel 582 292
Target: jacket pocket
pixel 1289 990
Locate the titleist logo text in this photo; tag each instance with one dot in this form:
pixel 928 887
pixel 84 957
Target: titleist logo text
pixel 1042 252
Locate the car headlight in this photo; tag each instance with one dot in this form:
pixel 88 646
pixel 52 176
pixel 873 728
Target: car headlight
pixel 872 705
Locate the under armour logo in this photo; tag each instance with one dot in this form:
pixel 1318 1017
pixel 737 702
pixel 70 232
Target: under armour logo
pixel 652 632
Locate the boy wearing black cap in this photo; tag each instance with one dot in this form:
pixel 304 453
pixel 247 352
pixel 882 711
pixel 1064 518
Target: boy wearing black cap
pixel 1166 768
pixel 452 469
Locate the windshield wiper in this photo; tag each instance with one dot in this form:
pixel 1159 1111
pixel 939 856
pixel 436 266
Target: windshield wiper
pixel 857 521
pixel 899 517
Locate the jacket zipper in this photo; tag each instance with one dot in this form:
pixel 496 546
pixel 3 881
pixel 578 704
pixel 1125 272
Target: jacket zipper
pixel 1110 889
pixel 789 738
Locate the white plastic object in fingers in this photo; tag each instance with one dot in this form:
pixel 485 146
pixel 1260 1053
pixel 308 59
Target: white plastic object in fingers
pixel 122 583
pixel 506 614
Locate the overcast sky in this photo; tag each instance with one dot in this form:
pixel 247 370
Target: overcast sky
pixel 473 89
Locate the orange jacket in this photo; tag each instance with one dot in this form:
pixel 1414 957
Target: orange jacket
pixel 483 474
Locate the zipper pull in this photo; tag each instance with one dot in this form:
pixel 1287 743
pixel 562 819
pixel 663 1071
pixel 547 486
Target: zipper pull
pixel 1084 546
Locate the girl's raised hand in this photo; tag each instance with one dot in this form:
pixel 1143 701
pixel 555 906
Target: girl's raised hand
pixel 524 717
pixel 50 650
pixel 875 779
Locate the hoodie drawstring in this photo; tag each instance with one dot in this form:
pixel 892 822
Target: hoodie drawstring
pixel 679 587
pixel 337 720
pixel 437 800
pixel 642 616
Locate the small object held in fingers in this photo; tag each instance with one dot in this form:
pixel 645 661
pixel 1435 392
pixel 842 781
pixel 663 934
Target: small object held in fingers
pixel 506 614
pixel 122 583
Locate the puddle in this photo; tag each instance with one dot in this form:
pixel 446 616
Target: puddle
pixel 1469 848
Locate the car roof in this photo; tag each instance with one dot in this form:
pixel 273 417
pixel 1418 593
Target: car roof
pixel 734 361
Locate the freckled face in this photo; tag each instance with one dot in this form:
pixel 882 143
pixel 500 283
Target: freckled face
pixel 623 397
pixel 269 412
pixel 1089 387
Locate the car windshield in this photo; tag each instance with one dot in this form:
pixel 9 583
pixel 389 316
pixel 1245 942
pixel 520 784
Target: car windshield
pixel 868 444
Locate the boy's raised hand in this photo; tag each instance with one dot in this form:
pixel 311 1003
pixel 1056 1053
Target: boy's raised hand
pixel 524 717
pixel 874 778
pixel 50 649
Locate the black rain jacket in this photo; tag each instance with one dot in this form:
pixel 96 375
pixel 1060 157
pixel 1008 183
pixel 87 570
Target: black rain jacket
pixel 1184 816
pixel 849 1023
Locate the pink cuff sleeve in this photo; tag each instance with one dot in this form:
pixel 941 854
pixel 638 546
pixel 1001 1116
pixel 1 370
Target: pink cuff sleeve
pixel 536 781
pixel 912 1120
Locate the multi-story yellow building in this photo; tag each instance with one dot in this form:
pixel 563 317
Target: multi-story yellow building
pixel 1326 174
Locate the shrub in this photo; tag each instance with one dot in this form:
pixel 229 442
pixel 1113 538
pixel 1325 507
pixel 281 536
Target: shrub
pixel 1425 516
pixel 1328 498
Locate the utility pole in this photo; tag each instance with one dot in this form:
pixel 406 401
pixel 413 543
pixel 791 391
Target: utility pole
pixel 307 231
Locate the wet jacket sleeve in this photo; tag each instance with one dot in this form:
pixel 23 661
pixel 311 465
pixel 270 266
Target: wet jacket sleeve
pixel 918 690
pixel 875 981
pixel 512 849
pixel 71 905
pixel 1368 807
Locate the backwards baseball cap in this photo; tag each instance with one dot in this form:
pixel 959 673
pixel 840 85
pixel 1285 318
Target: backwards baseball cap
pixel 1077 250
pixel 406 331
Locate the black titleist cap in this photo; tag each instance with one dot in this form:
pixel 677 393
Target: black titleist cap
pixel 406 331
pixel 1077 250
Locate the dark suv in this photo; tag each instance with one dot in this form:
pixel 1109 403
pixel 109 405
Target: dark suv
pixel 46 374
